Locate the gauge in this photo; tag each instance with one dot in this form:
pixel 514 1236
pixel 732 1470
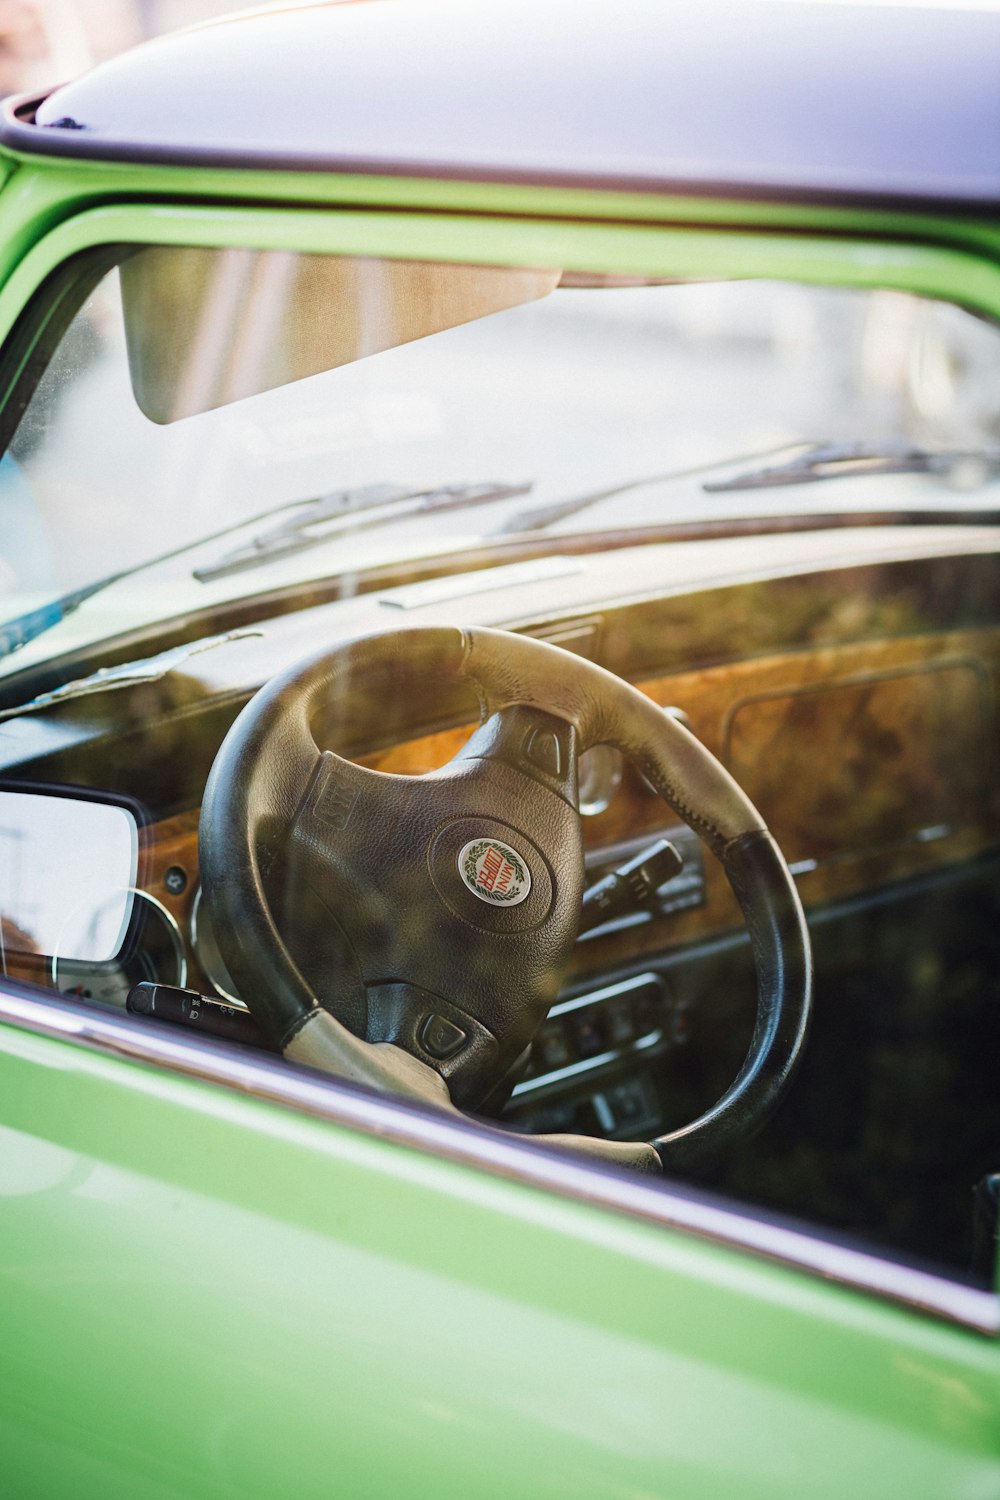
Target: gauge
pixel 155 952
pixel 206 950
pixel 600 777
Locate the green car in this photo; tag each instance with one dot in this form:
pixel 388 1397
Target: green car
pixel 499 812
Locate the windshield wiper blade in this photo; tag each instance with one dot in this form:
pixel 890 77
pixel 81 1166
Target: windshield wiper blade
pixel 343 506
pixel 317 521
pixel 540 517
pixel 965 466
pixel 23 628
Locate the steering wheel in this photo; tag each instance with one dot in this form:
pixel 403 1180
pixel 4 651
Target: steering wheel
pixel 434 915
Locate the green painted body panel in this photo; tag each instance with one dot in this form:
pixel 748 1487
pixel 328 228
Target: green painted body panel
pixel 205 1294
pixel 935 255
pixel 78 182
pixel 400 1325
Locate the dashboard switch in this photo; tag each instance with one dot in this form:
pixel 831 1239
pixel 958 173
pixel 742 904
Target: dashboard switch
pixel 552 1049
pixel 589 1037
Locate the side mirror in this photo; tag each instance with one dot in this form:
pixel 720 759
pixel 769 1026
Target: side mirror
pixel 68 867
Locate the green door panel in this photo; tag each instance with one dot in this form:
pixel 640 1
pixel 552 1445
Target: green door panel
pixel 207 1295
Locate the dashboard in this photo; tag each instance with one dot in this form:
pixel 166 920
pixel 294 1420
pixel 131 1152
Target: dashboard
pixel 869 763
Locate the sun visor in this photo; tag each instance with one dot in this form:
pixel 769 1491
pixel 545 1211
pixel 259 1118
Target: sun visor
pixel 205 327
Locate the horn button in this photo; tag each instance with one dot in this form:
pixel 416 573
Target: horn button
pixel 491 875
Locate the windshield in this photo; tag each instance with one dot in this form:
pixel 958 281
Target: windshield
pixel 422 443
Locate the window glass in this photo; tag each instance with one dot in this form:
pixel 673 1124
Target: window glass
pixel 389 444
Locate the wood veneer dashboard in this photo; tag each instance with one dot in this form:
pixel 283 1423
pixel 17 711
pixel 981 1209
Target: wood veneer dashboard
pixel 848 680
pixel 872 762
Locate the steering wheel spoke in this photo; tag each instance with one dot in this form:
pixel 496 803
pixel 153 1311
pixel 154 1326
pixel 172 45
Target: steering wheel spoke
pixel 537 744
pixel 340 805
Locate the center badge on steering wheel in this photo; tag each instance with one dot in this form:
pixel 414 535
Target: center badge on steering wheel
pixel 494 872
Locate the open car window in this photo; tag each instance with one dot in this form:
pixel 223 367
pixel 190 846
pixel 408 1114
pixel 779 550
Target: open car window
pixel 268 452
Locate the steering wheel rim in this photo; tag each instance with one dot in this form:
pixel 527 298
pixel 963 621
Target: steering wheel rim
pixel 264 783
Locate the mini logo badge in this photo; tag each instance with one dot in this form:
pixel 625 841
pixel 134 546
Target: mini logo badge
pixel 494 872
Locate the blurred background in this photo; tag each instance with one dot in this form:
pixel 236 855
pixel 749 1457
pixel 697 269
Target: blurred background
pixel 44 42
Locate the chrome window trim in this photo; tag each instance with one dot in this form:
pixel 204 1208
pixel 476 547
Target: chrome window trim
pixel 471 1144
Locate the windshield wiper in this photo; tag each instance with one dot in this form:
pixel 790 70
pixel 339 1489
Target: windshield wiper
pixel 24 628
pixel 966 467
pixel 540 517
pixel 375 504
pixel 331 515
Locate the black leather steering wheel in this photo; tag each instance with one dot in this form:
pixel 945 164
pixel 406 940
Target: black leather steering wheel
pixel 434 915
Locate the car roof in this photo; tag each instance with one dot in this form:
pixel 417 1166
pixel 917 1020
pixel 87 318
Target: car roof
pixel 762 98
